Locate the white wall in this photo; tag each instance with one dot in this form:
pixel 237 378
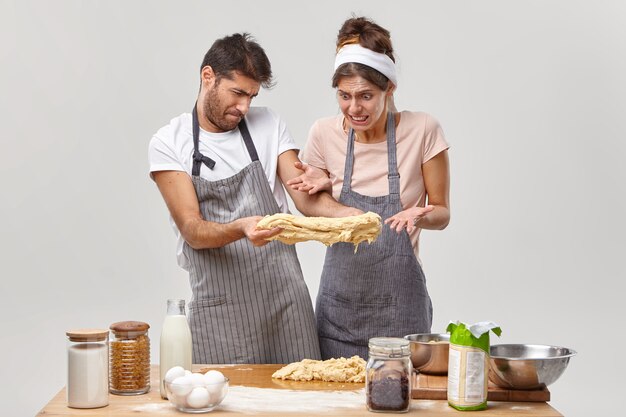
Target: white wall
pixel 531 96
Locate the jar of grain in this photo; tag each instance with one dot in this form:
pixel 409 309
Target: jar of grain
pixel 87 368
pixel 388 375
pixel 129 363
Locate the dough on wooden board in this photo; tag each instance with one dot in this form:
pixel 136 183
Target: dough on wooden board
pixel 330 370
pixel 328 230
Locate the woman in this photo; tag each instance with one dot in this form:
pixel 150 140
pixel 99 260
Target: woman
pixel 375 159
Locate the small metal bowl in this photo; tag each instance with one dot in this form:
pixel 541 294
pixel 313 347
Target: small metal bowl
pixel 526 367
pixel 429 352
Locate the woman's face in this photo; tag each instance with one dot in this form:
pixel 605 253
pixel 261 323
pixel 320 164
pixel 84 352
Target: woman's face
pixel 362 103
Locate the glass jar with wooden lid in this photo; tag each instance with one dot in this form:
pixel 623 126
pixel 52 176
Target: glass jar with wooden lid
pixel 87 368
pixel 129 358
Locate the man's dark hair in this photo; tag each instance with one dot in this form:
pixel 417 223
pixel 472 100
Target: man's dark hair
pixel 241 53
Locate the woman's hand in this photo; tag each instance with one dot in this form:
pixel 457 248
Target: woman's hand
pixel 408 219
pixel 313 180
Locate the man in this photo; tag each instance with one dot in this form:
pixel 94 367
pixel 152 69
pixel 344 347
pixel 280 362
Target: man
pixel 219 170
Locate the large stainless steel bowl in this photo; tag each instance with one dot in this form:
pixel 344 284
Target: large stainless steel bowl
pixel 429 352
pixel 518 366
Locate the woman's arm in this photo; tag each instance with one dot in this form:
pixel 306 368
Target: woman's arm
pixel 436 215
pixel 313 179
pixel 310 204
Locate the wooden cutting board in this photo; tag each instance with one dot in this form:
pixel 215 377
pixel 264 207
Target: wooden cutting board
pixel 260 376
pixel 435 387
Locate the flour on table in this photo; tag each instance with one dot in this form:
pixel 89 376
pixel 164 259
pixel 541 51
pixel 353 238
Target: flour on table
pixel 330 370
pixel 328 230
pixel 152 408
pixel 251 400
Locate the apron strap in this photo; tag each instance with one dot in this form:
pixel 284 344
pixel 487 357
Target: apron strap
pixel 247 139
pixel 199 159
pixel 392 157
pixel 392 160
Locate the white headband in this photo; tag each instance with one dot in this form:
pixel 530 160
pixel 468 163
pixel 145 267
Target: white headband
pixel 380 62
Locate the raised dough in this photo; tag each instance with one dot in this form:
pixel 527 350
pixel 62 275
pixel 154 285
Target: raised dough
pixel 331 370
pixel 328 230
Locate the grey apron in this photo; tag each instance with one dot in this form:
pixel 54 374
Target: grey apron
pixel 249 304
pixel 378 291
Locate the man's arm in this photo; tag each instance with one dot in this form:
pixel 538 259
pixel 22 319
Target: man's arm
pixel 180 196
pixel 320 204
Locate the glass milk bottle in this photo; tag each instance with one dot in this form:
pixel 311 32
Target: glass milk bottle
pixel 175 341
pixel 87 368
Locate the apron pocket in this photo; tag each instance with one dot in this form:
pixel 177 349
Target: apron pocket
pixel 208 302
pixel 354 321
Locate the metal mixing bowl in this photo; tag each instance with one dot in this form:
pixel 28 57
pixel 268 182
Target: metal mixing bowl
pixel 518 366
pixel 429 352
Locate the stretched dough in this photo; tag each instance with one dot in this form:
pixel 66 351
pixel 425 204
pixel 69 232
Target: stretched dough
pixel 330 370
pixel 328 230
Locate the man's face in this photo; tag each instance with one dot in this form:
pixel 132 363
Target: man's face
pixel 228 100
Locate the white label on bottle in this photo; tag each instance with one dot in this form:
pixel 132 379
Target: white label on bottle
pixel 454 369
pixel 475 376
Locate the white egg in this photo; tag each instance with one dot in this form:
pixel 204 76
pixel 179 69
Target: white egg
pixel 217 391
pixel 181 386
pixel 211 377
pixel 214 381
pixel 198 398
pixel 174 373
pixel 197 380
pixel 177 399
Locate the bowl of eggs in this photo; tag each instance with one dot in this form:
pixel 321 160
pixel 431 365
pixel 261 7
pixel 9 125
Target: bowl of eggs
pixel 195 392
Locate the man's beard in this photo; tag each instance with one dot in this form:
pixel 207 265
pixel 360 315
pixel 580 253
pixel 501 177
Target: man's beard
pixel 214 112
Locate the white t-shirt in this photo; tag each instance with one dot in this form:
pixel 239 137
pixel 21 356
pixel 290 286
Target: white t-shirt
pixel 171 149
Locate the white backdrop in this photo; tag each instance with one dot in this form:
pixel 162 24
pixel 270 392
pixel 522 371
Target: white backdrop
pixel 531 96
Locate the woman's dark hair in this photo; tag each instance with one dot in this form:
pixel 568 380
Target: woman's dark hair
pixel 363 31
pixel 241 53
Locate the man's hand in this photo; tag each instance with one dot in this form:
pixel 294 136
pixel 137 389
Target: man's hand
pixel 313 180
pixel 256 236
pixel 408 219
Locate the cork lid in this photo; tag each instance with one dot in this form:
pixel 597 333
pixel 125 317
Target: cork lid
pixel 87 335
pixel 129 328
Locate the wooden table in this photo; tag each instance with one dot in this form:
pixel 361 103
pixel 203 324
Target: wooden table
pixel 284 398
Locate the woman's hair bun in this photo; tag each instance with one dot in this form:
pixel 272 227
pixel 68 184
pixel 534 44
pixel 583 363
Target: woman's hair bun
pixel 367 33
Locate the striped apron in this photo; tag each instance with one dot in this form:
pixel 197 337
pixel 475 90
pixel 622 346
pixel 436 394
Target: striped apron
pixel 378 291
pixel 249 304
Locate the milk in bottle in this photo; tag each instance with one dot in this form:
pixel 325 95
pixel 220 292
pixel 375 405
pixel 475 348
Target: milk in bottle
pixel 175 341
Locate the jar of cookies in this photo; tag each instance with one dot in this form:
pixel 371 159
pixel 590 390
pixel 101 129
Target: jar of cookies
pixel 129 358
pixel 388 375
